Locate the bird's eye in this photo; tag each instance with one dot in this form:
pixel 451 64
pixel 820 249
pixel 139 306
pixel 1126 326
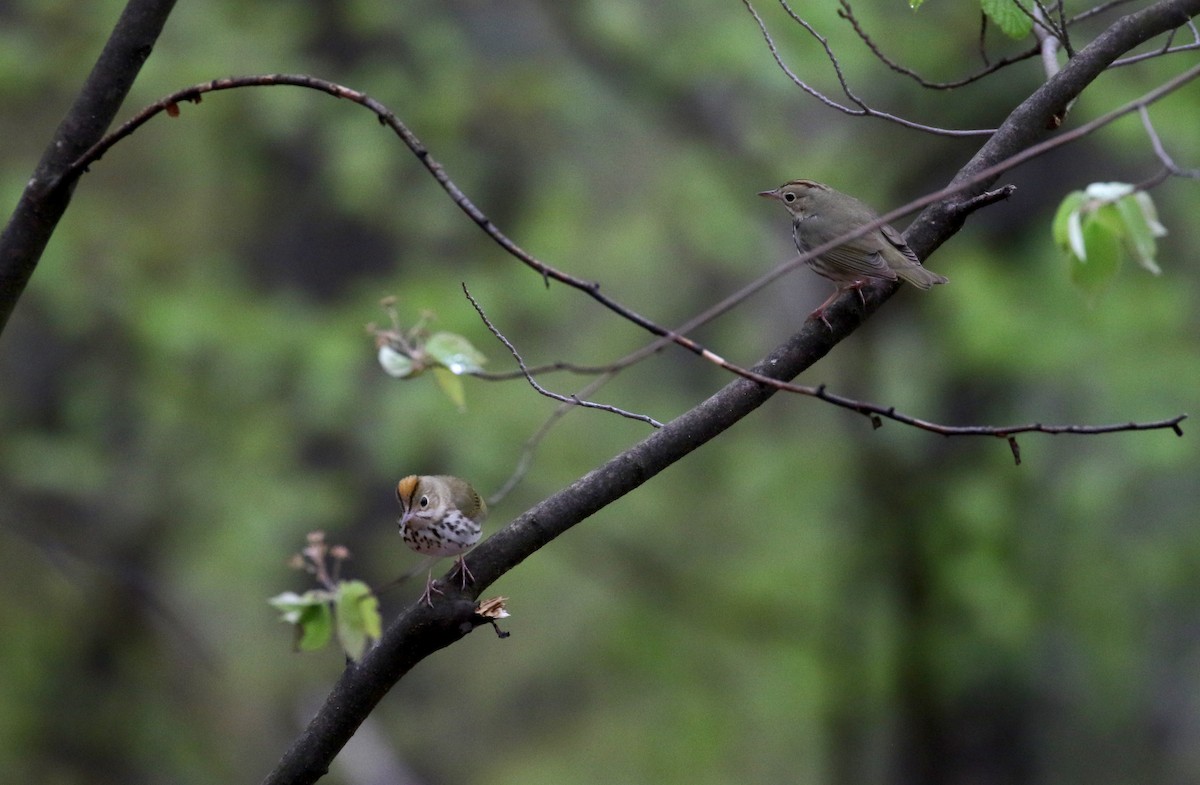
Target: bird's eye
pixel 789 197
pixel 424 502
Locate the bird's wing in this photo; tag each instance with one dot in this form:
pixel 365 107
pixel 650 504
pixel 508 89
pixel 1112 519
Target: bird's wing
pixel 860 259
pixel 896 240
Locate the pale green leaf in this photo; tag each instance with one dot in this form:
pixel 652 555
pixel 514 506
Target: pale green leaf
pixel 1139 233
pixel 455 353
pixel 1067 212
pixel 1102 236
pixel 290 604
pixel 452 386
pixel 394 363
pixel 1151 213
pixel 309 613
pixel 1011 20
pixel 358 620
pixel 1109 219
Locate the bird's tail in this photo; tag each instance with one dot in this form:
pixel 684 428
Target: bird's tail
pixel 919 277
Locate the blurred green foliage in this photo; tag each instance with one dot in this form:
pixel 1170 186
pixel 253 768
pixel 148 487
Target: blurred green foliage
pixel 187 389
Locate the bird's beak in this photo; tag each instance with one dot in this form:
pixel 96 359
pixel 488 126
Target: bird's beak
pixel 769 194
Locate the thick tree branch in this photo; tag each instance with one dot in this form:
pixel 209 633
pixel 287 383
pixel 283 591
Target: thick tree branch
pixel 42 204
pixel 1044 110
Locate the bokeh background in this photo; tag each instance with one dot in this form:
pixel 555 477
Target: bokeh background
pixel 187 389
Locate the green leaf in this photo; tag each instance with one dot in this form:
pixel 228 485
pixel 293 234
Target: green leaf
pixel 1097 226
pixel 314 628
pixel 452 386
pixel 291 605
pixel 1141 228
pixel 1150 212
pixel 915 4
pixel 1062 219
pixel 309 613
pixel 455 353
pixel 1102 235
pixel 358 619
pixel 1011 20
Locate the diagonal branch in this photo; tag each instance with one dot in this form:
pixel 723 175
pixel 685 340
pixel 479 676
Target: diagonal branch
pixel 954 211
pixel 957 209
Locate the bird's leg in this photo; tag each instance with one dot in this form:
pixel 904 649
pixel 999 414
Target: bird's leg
pixel 858 287
pixel 430 588
pixel 819 313
pixel 461 564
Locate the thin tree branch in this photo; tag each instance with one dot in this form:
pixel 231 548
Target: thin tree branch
pixel 1064 27
pixel 847 12
pixel 538 370
pixel 982 44
pixel 1048 37
pixel 1044 27
pixel 1159 150
pixel 1098 9
pixel 864 110
pixel 872 297
pixel 875 412
pixel 1165 50
pixel 41 204
pixel 572 400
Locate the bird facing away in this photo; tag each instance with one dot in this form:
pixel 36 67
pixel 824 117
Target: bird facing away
pixel 821 214
pixel 440 516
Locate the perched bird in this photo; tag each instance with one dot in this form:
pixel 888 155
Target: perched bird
pixel 820 214
pixel 441 516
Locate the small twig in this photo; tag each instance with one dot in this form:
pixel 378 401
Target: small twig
pixel 1161 151
pixel 983 28
pixel 1063 29
pixel 1004 431
pixel 573 400
pixel 1097 9
pixel 536 370
pixel 1166 47
pixel 1150 55
pixel 1044 27
pixel 847 13
pixel 1016 449
pixel 864 110
pixel 1049 39
pixel 528 450
pixel 985 198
